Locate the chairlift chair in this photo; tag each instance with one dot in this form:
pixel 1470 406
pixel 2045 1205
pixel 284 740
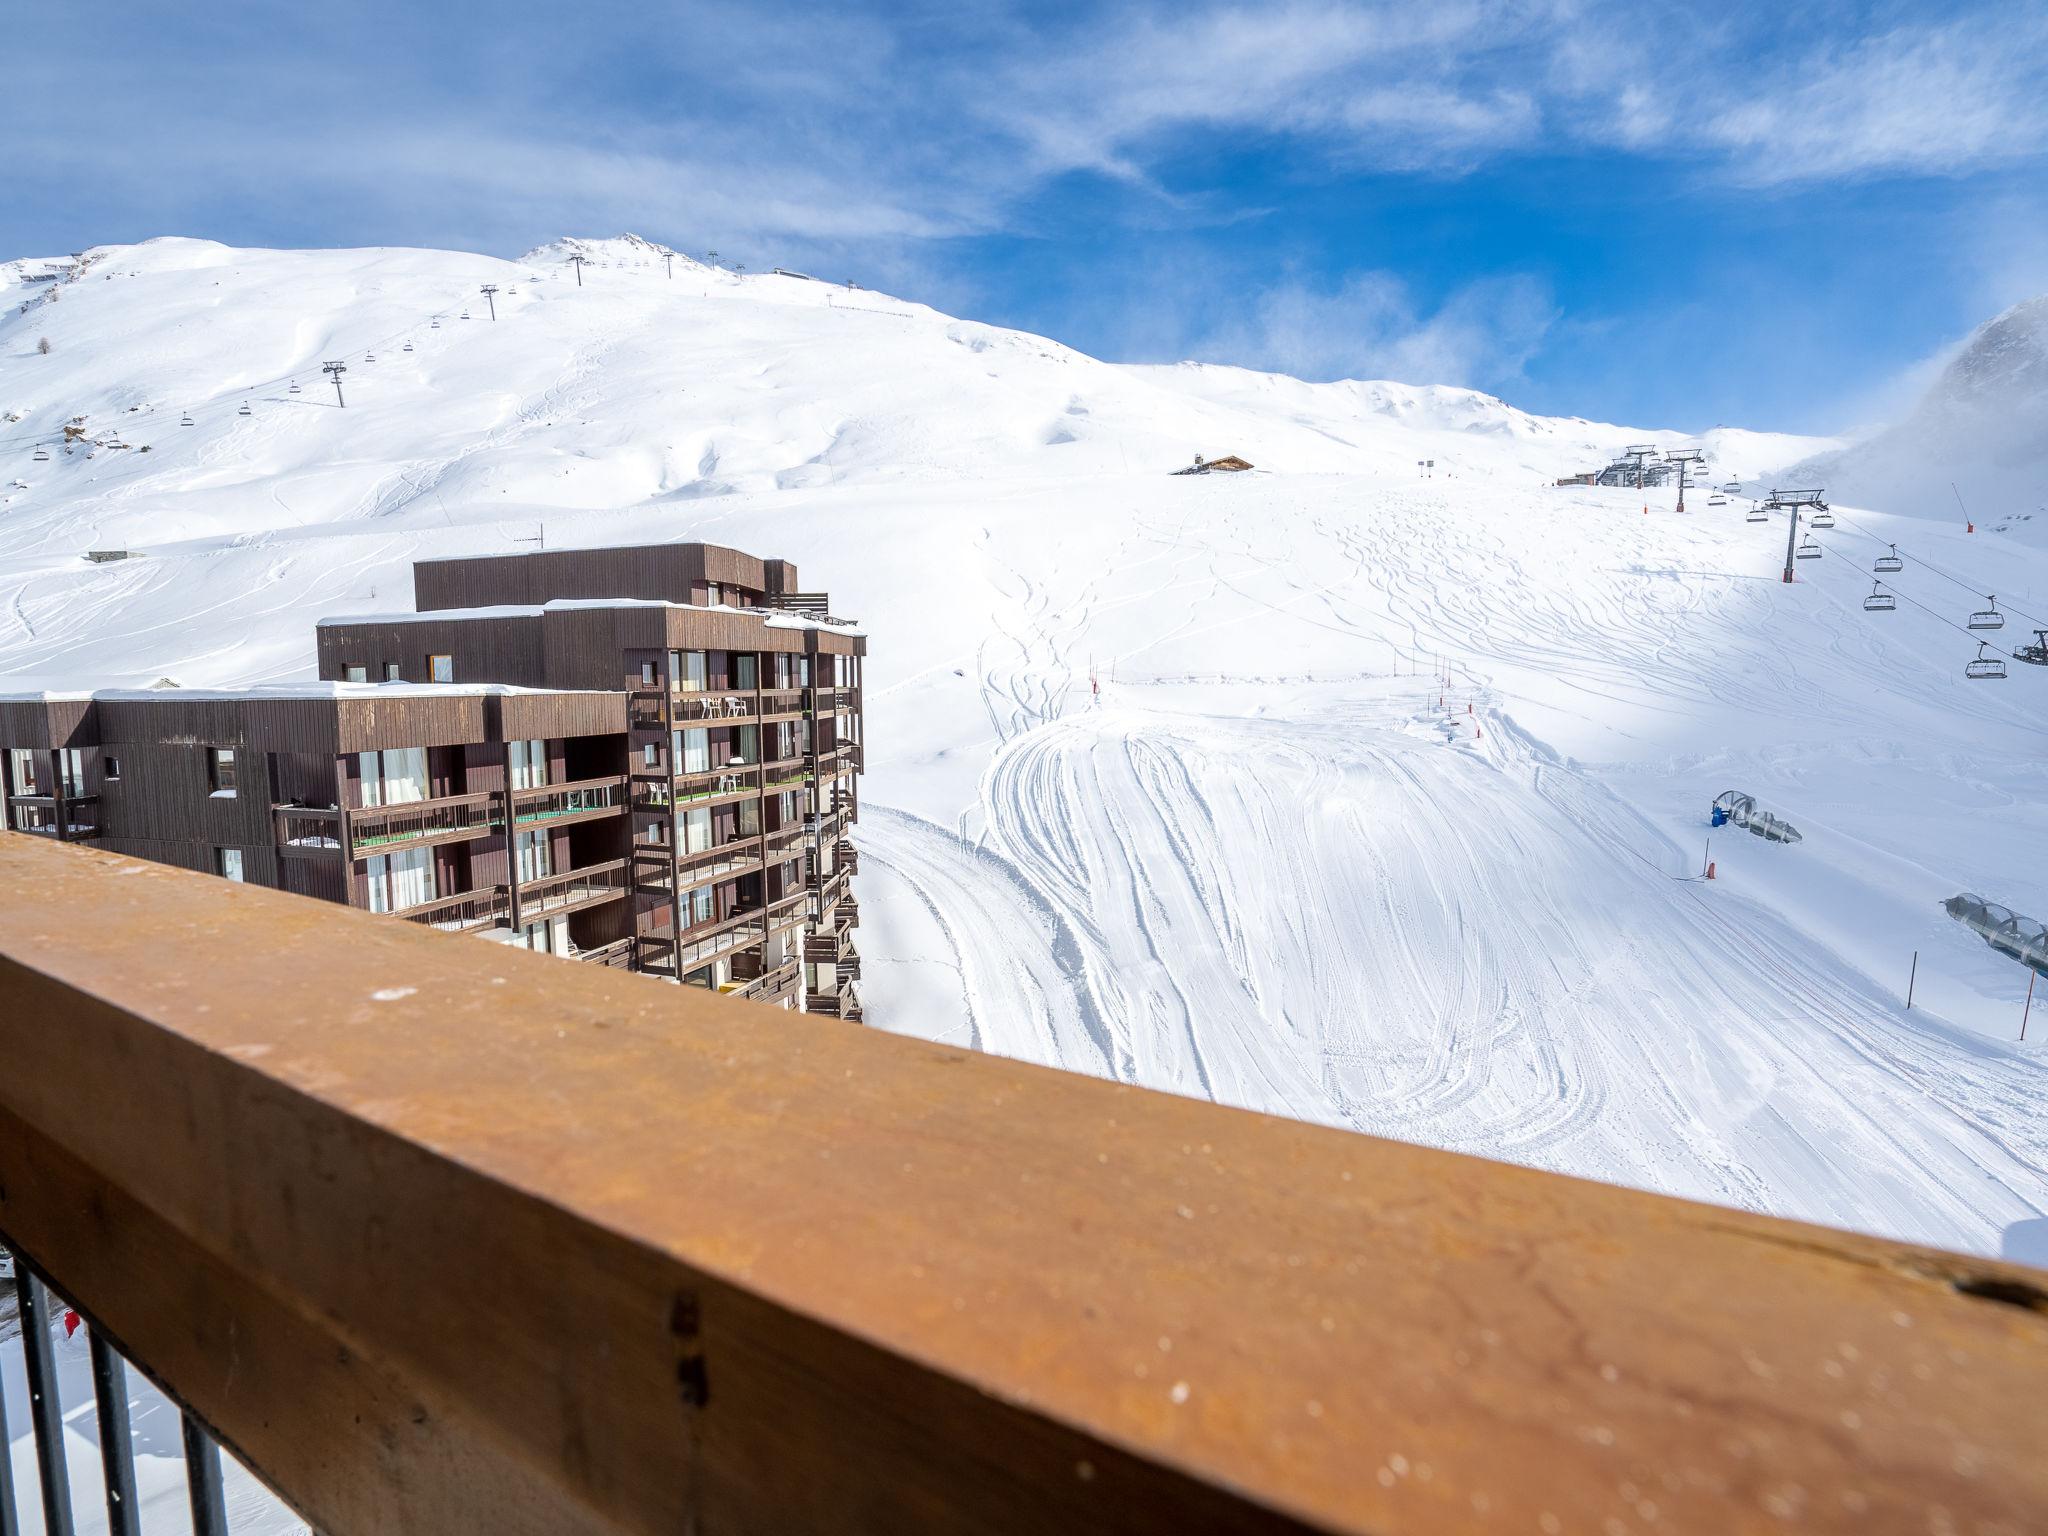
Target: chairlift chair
pixel 1988 618
pixel 408 346
pixel 369 357
pixel 1822 518
pixel 1879 601
pixel 1756 514
pixel 187 421
pixel 1887 564
pixel 1985 666
pixel 41 457
pixel 465 314
pixel 295 386
pixel 1807 550
pixel 245 411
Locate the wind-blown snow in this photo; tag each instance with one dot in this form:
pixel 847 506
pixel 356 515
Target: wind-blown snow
pixel 1265 863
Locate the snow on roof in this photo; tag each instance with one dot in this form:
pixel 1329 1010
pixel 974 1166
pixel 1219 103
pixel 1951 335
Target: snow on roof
pixel 260 691
pixel 774 618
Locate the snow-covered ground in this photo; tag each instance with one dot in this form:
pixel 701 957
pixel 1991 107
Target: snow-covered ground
pixel 1274 859
pixel 1345 789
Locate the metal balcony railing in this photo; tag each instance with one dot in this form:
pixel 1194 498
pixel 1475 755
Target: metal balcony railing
pixel 548 895
pixel 486 1243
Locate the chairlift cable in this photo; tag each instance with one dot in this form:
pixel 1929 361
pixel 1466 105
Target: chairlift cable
pixel 1930 565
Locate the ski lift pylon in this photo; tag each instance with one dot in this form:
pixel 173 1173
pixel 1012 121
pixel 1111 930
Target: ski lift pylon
pixel 1887 564
pixel 1985 666
pixel 1988 617
pixel 1879 601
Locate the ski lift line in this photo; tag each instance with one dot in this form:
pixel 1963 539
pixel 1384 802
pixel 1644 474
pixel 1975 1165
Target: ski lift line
pixel 1930 565
pixel 245 390
pixel 1936 613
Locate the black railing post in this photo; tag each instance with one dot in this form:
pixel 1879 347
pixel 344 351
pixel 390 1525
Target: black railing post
pixel 117 1446
pixel 10 1522
pixel 202 1477
pixel 45 1411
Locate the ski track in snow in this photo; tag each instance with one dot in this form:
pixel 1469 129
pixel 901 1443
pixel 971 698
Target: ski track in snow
pixel 1263 865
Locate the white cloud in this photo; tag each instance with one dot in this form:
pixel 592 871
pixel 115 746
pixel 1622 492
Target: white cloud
pixel 1915 100
pixel 1370 327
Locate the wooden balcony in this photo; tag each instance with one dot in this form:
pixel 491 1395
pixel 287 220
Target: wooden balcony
pixel 644 711
pixel 484 1243
pixel 422 823
pixel 782 704
pixel 617 955
pixel 40 815
pixel 561 805
pixel 710 707
pixel 573 889
pixel 465 909
pixel 716 786
pixel 306 831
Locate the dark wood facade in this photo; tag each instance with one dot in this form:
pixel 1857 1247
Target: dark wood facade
pixel 700 768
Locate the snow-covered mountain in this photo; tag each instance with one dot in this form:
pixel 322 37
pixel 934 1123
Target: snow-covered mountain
pixel 1975 444
pixel 1345 788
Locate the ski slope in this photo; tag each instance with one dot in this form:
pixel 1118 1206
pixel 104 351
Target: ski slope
pixel 1330 790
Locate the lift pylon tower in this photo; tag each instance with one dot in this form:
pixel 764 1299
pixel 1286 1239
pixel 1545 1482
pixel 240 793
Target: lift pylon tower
pixel 1684 458
pixel 1792 501
pixel 1639 455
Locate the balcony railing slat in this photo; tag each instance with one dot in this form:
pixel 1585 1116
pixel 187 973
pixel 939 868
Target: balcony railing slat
pixel 574 1252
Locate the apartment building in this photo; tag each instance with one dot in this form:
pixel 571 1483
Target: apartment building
pixel 640 757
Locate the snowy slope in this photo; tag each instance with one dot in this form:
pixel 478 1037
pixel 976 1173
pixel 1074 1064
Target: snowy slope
pixel 1264 862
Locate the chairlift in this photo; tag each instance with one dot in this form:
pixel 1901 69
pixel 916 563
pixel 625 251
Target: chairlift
pixel 1879 601
pixel 1985 666
pixel 245 411
pixel 295 386
pixel 41 457
pixel 1887 564
pixel 408 346
pixel 1988 618
pixel 1822 517
pixel 436 325
pixel 1717 500
pixel 2036 654
pixel 465 314
pixel 1807 550
pixel 1756 514
pixel 369 357
pixel 187 421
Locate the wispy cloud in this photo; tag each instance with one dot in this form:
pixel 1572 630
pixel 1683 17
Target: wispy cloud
pixel 1931 101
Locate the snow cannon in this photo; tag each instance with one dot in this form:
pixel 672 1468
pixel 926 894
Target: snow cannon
pixel 1734 808
pixel 2021 938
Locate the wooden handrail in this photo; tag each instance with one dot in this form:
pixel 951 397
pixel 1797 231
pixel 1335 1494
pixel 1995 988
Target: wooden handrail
pixel 445 1237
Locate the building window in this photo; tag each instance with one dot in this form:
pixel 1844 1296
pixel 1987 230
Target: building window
pixel 701 907
pixel 354 672
pixel 695 749
pixel 227 862
pixel 650 755
pixel 743 671
pixel 529 764
pixel 712 595
pixel 112 767
pixel 394 776
pixel 692 675
pixel 220 770
pixel 647 676
pixel 21 772
pixel 696 826
pixel 71 766
pixel 390 671
pixel 441 669
pixel 531 856
pixel 400 880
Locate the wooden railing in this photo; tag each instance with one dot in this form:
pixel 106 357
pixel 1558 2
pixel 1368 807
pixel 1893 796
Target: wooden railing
pixel 464 907
pixel 617 955
pixel 782 701
pixel 446 1238
pixel 379 828
pixel 39 815
pixel 573 887
pixel 708 707
pixel 574 800
pixel 306 829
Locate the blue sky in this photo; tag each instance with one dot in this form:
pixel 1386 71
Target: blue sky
pixel 1663 214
